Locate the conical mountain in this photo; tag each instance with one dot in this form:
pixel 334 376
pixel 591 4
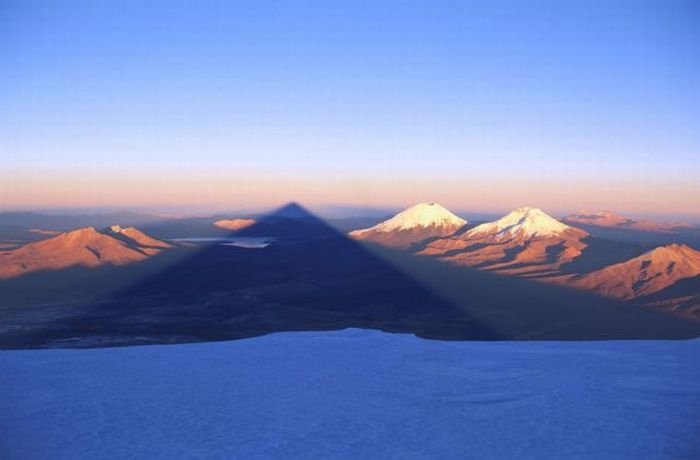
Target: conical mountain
pixel 136 237
pixel 412 225
pixel 525 241
pixel 85 247
pixel 524 222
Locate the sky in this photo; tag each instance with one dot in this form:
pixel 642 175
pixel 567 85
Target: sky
pixel 482 106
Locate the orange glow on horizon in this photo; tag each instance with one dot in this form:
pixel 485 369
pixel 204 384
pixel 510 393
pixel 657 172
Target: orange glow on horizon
pixel 221 191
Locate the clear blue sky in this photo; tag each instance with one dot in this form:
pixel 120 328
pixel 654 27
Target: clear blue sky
pixel 480 105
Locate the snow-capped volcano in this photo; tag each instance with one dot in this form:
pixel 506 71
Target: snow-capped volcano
pixel 412 225
pixel 420 215
pixel 522 241
pixel 526 222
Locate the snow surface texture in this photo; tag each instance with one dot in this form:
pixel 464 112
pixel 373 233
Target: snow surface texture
pixel 523 221
pixel 422 215
pixel 353 394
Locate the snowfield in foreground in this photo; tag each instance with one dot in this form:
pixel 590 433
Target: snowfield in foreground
pixel 353 394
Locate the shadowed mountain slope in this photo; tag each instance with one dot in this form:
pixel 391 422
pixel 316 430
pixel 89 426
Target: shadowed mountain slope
pixel 682 297
pixel 525 309
pixel 311 278
pixel 315 278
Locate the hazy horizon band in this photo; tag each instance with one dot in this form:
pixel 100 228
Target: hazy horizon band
pixel 476 105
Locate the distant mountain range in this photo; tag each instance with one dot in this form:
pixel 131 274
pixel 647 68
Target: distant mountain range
pixel 425 271
pixel 234 224
pixel 609 219
pixel 528 242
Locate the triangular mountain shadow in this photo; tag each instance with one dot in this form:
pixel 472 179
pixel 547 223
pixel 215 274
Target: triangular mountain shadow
pixel 311 278
pixel 288 222
pixel 522 308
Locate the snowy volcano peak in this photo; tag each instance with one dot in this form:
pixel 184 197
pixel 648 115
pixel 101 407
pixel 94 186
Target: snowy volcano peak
pixel 134 235
pixel 525 221
pixel 421 215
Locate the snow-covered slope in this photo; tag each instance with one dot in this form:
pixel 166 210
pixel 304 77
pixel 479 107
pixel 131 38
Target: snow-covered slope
pixel 525 241
pixel 353 394
pixel 421 221
pixel 526 222
pixel 421 215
